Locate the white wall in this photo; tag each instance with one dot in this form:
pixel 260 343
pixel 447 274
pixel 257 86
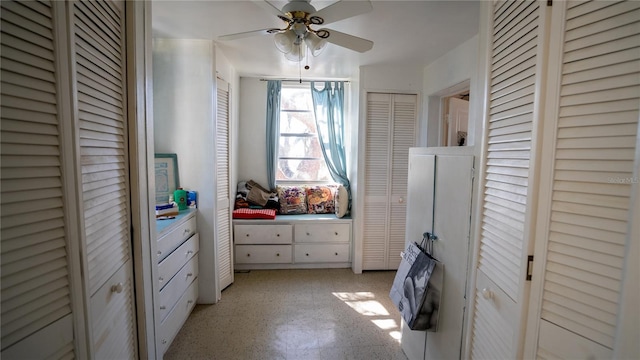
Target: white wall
pixel 456 66
pixel 252 128
pixel 184 123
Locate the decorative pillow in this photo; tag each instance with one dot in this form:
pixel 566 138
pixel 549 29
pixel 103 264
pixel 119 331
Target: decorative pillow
pixel 293 199
pixel 320 200
pixel 341 201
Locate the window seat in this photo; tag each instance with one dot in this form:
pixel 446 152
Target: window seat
pixel 293 242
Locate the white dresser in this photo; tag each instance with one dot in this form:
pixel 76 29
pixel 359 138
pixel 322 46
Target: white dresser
pixel 177 255
pixel 293 241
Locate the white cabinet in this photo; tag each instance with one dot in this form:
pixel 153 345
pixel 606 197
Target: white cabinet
pixel 293 241
pixel 177 285
pixel 390 130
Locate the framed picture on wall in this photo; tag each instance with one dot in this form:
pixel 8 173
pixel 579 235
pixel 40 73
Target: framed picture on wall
pixel 167 180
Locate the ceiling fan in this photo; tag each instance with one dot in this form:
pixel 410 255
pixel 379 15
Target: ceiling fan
pixel 298 34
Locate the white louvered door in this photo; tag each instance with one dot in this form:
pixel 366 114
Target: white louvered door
pixel 99 53
pixel 390 132
pixel 223 210
pixel 36 301
pixel 593 116
pixel 507 175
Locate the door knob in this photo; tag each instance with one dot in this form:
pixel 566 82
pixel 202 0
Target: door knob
pixel 117 288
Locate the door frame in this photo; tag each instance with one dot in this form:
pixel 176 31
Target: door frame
pixel 141 170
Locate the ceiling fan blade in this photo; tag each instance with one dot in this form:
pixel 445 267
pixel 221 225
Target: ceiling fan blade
pixel 248 34
pixel 268 7
pixel 342 10
pixel 345 40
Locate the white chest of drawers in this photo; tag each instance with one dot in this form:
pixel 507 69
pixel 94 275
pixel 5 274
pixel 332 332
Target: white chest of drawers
pixel 177 256
pixel 293 241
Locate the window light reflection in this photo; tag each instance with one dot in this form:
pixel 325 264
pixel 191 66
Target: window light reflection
pixel 365 304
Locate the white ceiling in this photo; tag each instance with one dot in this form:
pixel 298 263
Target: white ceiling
pixel 405 33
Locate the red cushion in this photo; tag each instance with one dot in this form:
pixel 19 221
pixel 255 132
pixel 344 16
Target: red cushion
pixel 245 213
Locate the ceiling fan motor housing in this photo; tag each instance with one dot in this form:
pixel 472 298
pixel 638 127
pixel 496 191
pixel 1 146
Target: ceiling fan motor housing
pixel 294 6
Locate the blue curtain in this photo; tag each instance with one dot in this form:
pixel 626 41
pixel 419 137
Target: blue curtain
pixel 273 129
pixel 328 106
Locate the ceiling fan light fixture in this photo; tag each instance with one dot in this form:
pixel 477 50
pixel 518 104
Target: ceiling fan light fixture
pixel 285 41
pixel 297 52
pixel 315 43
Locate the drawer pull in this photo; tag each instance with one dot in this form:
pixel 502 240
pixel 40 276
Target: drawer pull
pixel 189 252
pixel 307 254
pixel 278 254
pixel 189 301
pixel 162 307
pixel 336 233
pixel 247 235
pixel 159 253
pixel 248 255
pixel 186 231
pixel 278 235
pixel 188 275
pixel 161 278
pixel 308 234
pixel 117 288
pixel 336 254
pixel 164 341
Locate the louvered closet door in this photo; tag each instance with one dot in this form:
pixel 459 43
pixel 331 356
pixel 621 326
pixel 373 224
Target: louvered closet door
pixel 595 122
pixel 507 175
pixel 36 311
pixel 390 132
pixel 223 210
pixel 100 76
pixel 403 136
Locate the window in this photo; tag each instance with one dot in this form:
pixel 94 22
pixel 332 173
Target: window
pixel 299 153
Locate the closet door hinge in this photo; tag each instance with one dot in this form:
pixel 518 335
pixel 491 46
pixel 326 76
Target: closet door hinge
pixel 473 173
pixel 529 267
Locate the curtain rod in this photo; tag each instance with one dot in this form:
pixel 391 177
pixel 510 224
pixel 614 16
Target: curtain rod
pixel 305 81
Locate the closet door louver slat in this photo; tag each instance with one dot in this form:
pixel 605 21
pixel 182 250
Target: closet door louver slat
pixel 504 219
pixel 599 97
pixel 101 104
pixel 223 215
pixel 35 275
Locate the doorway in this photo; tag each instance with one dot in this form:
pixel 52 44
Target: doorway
pixel 454 123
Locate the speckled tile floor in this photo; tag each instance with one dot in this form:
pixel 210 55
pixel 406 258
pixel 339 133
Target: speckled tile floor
pixel 295 315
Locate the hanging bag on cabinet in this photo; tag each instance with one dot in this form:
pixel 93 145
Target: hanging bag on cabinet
pixel 417 287
pixel 410 284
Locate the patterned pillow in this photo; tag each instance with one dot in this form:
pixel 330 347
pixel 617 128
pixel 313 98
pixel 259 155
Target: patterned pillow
pixel 320 199
pixel 293 199
pixel 341 201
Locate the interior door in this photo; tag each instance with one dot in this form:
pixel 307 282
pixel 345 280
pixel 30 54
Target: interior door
pixel 440 188
pixel 37 239
pixel 223 210
pixel 508 173
pixel 390 132
pixel 585 213
pixel 100 96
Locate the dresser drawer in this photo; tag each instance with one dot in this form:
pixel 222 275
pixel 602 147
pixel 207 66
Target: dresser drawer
pixel 176 287
pixel 262 234
pixel 173 239
pixel 172 263
pixel 177 316
pixel 263 254
pixel 322 232
pixel 321 253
